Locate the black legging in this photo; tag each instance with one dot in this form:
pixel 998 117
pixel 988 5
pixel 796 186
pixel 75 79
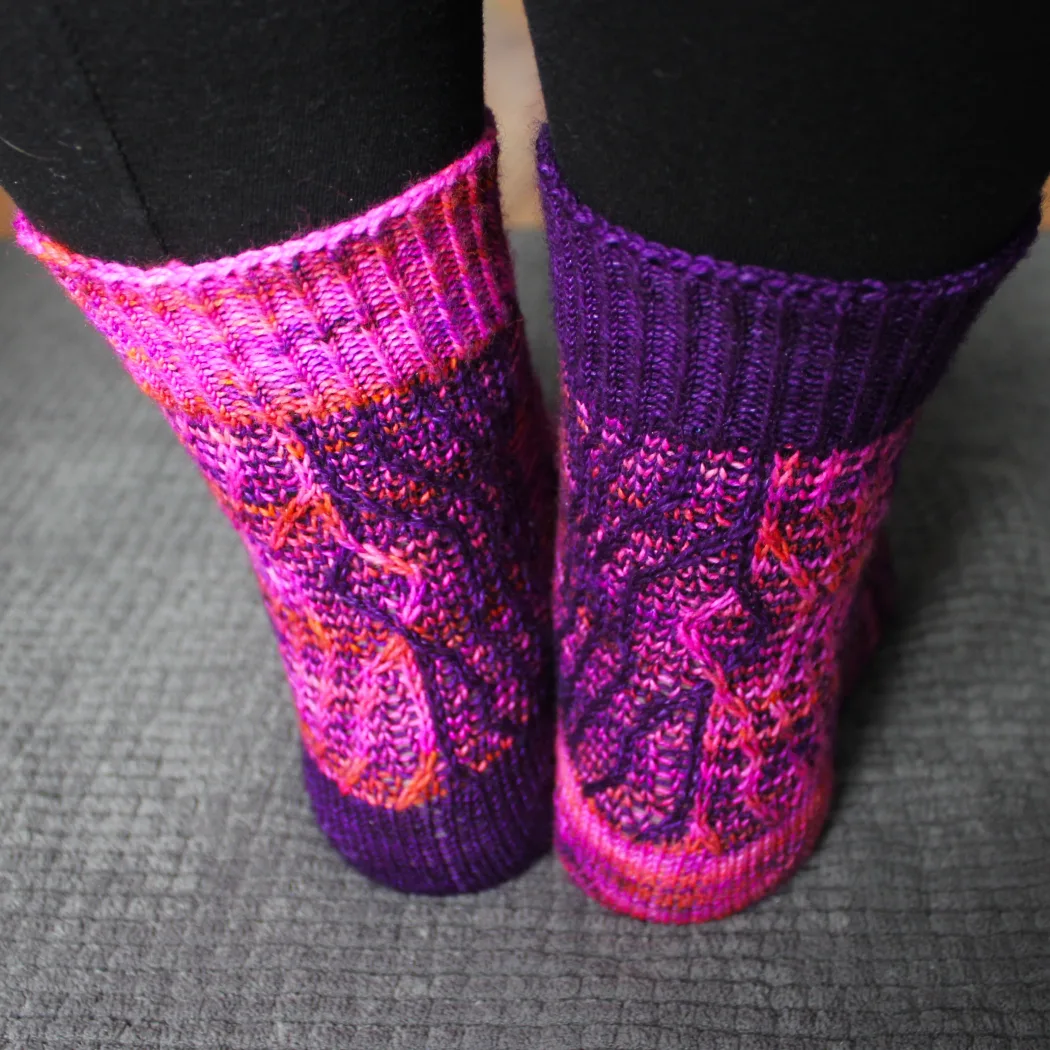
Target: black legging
pixel 893 139
pixel 143 130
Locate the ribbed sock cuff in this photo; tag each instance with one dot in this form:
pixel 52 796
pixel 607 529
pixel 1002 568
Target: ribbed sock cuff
pixel 340 317
pixel 740 356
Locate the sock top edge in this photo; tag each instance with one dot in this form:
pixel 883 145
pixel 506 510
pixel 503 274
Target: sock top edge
pixel 365 226
pixel 773 282
pixel 737 356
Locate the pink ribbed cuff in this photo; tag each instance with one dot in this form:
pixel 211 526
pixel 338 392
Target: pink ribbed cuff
pixel 337 318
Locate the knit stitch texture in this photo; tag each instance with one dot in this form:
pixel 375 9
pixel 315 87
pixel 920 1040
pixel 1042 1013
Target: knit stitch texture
pixel 361 404
pixel 731 438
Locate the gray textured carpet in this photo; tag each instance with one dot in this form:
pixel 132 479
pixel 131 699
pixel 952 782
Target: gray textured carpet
pixel 162 883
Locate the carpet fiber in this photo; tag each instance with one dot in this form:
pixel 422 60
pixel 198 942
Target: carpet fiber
pixel 162 883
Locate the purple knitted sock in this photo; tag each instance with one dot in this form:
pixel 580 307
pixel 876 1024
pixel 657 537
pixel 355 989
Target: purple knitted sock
pixel 730 443
pixel 361 404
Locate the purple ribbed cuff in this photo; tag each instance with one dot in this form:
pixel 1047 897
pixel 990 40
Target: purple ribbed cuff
pixel 740 356
pixel 483 831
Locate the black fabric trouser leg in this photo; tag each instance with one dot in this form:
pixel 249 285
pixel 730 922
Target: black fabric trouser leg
pixel 889 140
pixel 142 131
pixel 899 139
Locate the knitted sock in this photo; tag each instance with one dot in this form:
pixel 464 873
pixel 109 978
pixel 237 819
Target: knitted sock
pixel 730 443
pixel 362 407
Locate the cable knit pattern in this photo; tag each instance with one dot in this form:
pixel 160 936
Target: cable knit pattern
pixel 361 404
pixel 731 439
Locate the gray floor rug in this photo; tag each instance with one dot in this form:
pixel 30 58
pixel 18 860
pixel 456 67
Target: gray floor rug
pixel 162 883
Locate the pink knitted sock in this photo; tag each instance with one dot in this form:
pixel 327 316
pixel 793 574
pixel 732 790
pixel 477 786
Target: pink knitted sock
pixel 731 439
pixel 361 404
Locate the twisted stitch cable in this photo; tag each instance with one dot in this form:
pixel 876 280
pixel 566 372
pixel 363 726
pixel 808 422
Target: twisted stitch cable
pixel 731 437
pixel 361 405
